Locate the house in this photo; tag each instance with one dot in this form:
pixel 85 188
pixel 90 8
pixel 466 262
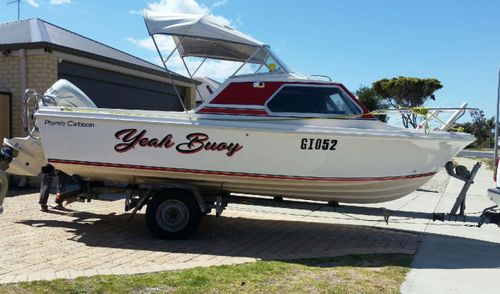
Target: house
pixel 35 54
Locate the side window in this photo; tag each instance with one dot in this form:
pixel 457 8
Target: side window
pixel 339 102
pixel 313 100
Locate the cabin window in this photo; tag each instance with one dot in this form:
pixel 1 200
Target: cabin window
pixel 313 100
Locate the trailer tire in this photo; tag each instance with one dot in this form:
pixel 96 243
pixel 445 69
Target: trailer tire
pixel 173 214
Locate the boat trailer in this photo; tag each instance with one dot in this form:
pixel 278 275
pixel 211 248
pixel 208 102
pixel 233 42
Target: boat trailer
pixel 457 212
pixel 167 198
pixel 137 196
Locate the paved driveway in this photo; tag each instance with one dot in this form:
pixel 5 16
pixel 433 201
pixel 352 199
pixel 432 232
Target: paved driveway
pixel 458 258
pixel 96 239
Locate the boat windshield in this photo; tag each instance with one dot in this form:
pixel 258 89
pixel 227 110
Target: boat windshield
pixel 65 94
pixel 305 100
pixel 269 64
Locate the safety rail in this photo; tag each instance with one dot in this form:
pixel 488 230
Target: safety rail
pixel 31 99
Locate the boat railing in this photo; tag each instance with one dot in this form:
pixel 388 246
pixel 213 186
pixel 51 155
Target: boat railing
pixel 31 103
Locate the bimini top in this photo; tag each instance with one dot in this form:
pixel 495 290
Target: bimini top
pixel 203 36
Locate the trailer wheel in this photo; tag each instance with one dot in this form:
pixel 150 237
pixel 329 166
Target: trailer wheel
pixel 173 214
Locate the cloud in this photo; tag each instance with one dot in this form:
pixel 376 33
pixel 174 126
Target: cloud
pixel 185 7
pixel 59 2
pixel 219 3
pixel 239 21
pixel 147 43
pixel 133 11
pixel 36 3
pixel 33 3
pixel 178 6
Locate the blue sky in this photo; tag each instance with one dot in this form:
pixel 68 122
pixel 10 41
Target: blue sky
pixel 354 42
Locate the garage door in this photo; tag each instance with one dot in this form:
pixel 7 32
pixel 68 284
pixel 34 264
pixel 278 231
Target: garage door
pixel 114 90
pixel 5 111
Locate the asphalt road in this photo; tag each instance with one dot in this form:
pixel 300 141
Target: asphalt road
pixel 471 153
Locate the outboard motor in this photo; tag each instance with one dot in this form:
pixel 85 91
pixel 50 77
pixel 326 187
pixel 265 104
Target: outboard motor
pixel 22 156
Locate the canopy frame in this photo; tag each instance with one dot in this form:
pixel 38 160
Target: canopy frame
pixel 164 62
pixel 204 59
pixel 243 48
pixel 246 61
pixel 192 79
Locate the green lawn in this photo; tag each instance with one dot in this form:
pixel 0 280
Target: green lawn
pixel 480 149
pixel 487 161
pixel 382 273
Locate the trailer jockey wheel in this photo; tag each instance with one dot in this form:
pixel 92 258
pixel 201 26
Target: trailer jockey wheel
pixel 462 171
pixel 173 214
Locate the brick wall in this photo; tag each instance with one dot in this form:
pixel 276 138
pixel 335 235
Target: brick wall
pixel 41 73
pixel 10 82
pixel 190 98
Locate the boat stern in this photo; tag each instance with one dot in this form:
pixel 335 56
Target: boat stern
pixel 22 156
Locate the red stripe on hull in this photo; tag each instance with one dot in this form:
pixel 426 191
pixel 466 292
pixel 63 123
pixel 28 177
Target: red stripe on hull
pixel 237 174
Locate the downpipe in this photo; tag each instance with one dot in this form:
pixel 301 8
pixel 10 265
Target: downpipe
pixel 4 185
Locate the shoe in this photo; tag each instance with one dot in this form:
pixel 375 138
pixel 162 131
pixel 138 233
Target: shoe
pixel 58 207
pixel 44 208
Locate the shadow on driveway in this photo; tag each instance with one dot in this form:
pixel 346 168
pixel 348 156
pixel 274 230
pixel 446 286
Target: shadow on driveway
pixel 265 239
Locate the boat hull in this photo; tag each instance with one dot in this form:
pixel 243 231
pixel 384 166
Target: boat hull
pixel 300 159
pixel 356 190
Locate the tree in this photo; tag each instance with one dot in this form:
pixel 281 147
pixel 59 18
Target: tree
pixel 480 127
pixel 371 100
pixel 406 91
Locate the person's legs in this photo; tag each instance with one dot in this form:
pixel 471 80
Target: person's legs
pixel 44 190
pixel 62 178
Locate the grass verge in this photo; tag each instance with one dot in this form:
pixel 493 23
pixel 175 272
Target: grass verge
pixel 480 149
pixel 382 273
pixel 487 161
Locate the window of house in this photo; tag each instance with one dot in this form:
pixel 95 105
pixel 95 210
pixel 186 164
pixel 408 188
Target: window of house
pixel 313 100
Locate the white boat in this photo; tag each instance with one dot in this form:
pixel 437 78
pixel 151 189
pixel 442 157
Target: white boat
pixel 269 132
pixel 345 160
